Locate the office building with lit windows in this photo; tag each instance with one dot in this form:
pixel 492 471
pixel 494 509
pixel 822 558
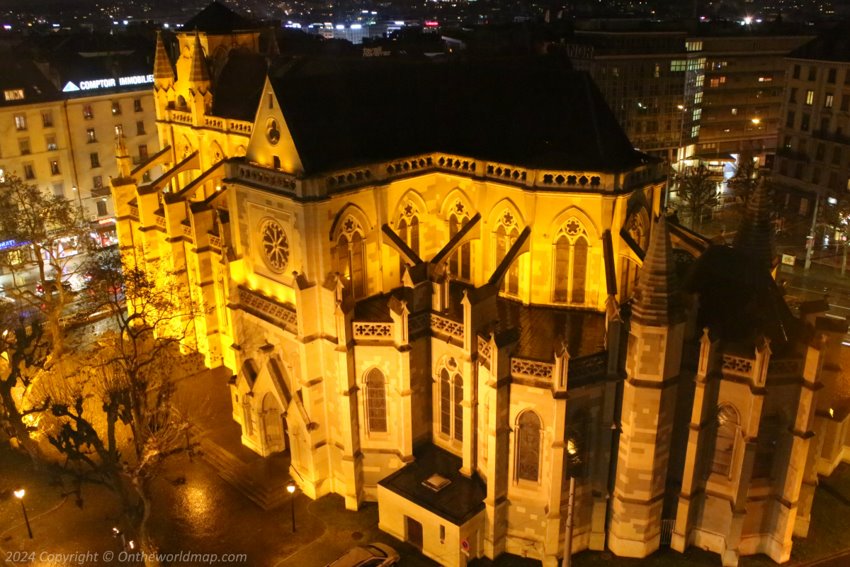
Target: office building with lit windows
pixel 813 159
pixel 60 113
pixel 439 289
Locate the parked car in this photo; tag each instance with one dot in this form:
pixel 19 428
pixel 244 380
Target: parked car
pixel 372 555
pixel 50 286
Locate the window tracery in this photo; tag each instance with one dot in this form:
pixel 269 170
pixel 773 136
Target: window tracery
pixel 571 255
pixel 451 400
pixel 528 446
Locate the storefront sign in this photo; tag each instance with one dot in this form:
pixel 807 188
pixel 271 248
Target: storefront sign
pixel 111 83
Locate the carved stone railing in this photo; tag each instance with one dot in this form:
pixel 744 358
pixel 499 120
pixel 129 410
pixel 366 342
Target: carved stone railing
pixel 584 368
pixel 214 122
pixel 280 314
pixel 445 326
pixel 418 323
pixel 134 211
pixel 506 172
pixel 569 179
pixel 187 231
pixel 364 331
pixel 240 126
pixel 216 241
pixel 532 369
pixel 266 177
pixel 180 116
pixel 737 365
pixel 485 351
pixel 160 221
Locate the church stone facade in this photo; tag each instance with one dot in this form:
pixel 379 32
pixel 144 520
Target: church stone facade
pixel 440 287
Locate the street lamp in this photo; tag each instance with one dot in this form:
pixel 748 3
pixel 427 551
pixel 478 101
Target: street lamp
pixel 290 488
pixel 19 494
pixel 573 460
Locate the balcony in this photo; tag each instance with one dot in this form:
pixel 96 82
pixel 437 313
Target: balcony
pixel 831 136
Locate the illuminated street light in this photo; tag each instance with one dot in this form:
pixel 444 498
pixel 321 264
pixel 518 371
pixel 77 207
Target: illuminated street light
pixel 19 494
pixel 290 488
pixel 756 121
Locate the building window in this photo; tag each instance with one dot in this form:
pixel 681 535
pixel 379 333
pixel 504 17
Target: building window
pixel 796 73
pixel 845 102
pixel 830 77
pixel 789 119
pixel 54 167
pixel 29 171
pixel 506 234
pixel 13 94
pixel 715 82
pixel 59 189
pixel 698 98
pixel 836 155
pixel 804 123
pixel 349 259
pixel 95 159
pixel 143 152
pixel 792 94
pixel 50 142
pixel 376 402
pixel 528 446
pixel 24 146
pixel 810 97
pixel 88 113
pixel 140 128
pixel 116 108
pixel 827 102
pixel 460 263
pixel 571 252
pixel 137 105
pixel 20 122
pixel 101 208
pixel 727 422
pixel 119 130
pixel 766 79
pixel 47 119
pixel 91 137
pixel 97 181
pixel 734 112
pixel 813 73
pixel 408 230
pixel 451 401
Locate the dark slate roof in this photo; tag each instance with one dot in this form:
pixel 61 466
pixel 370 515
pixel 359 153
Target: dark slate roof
pixel 755 233
pixel 833 45
pixel 21 73
pixel 218 19
pixel 458 502
pixel 239 85
pixel 544 330
pixel 531 112
pixel 740 301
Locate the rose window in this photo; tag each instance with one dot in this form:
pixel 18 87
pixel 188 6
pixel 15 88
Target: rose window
pixel 275 245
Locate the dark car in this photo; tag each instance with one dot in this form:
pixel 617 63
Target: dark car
pixel 372 555
pixel 50 286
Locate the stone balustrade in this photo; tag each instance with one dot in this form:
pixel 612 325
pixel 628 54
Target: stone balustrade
pixel 382 332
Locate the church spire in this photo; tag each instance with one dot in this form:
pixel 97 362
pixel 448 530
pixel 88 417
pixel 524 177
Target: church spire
pixel 658 301
pixel 199 72
pixel 755 233
pixel 162 70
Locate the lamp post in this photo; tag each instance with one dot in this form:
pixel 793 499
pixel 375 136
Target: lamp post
pixel 290 488
pixel 572 460
pixel 19 494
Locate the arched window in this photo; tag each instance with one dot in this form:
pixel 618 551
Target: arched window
pixel 349 261
pixel 451 401
pixel 460 263
pixel 571 254
pixel 724 446
pixel 506 234
pixel 528 446
pixel 408 230
pixel 376 402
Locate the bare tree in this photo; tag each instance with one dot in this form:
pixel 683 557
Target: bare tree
pixel 697 191
pixel 40 223
pixel 112 413
pixel 746 178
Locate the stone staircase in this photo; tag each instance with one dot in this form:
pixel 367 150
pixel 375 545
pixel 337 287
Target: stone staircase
pixel 263 480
